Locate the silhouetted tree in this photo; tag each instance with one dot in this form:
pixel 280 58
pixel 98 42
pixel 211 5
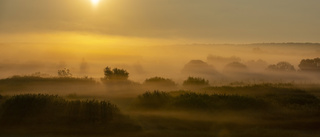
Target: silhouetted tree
pixel 281 66
pixel 195 81
pixel 311 65
pixel 198 67
pixel 115 74
pixel 257 64
pixel 64 73
pixel 235 67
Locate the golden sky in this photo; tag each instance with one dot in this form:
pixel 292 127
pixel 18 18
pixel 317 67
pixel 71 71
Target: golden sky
pixel 139 22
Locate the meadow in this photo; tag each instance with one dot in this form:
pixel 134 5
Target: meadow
pixel 30 107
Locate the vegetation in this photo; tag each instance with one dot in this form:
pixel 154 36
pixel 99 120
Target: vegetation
pixel 198 101
pixel 154 100
pixel 64 73
pixel 195 81
pixel 51 109
pixel 115 74
pixel 259 97
pixel 241 109
pixel 159 81
pixel 52 113
pixel 235 66
pixel 46 84
pixel 282 66
pixel 196 67
pixel 310 65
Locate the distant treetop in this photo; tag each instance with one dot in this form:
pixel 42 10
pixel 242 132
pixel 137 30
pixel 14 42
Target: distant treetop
pixel 281 66
pixel 64 73
pixel 311 65
pixel 115 74
pixel 196 81
pixel 235 67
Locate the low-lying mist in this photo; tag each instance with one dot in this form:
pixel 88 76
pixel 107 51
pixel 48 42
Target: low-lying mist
pixel 223 63
pixel 178 90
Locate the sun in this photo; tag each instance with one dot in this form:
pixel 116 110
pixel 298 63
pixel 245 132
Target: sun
pixel 95 2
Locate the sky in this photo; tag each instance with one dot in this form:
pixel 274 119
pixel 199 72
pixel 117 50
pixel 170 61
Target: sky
pixel 150 37
pixel 159 21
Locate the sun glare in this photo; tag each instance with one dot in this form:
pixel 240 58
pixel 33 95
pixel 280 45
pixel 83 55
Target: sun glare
pixel 95 2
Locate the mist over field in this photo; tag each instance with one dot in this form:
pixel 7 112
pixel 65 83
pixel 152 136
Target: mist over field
pixel 173 61
pixel 159 68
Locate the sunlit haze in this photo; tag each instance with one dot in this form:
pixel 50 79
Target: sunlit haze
pixel 95 2
pixel 155 35
pixel 160 68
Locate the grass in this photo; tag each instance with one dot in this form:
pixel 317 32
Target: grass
pixel 266 97
pixel 198 101
pixel 53 113
pixel 265 110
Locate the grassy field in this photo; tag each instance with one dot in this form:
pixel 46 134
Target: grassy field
pixel 264 110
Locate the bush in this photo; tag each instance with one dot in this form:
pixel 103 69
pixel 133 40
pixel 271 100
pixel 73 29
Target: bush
pixel 159 81
pixel 115 74
pixel 154 100
pixel 194 81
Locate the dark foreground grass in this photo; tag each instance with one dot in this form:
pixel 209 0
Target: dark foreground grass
pixel 38 113
pixel 35 84
pixel 275 113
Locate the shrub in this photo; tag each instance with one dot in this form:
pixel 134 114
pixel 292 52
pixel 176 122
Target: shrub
pixel 64 73
pixel 115 74
pixel 159 81
pixel 195 81
pixel 153 100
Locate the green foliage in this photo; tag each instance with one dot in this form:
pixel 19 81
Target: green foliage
pixel 53 110
pixel 195 81
pixel 159 81
pixel 115 74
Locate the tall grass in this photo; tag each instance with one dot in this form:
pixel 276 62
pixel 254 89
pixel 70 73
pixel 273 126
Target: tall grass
pixel 34 109
pixel 198 101
pixel 33 84
pixel 277 98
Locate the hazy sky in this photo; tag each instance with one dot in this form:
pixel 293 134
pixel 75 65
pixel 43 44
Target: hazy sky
pixel 198 21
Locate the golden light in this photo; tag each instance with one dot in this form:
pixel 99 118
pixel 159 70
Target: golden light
pixel 95 2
